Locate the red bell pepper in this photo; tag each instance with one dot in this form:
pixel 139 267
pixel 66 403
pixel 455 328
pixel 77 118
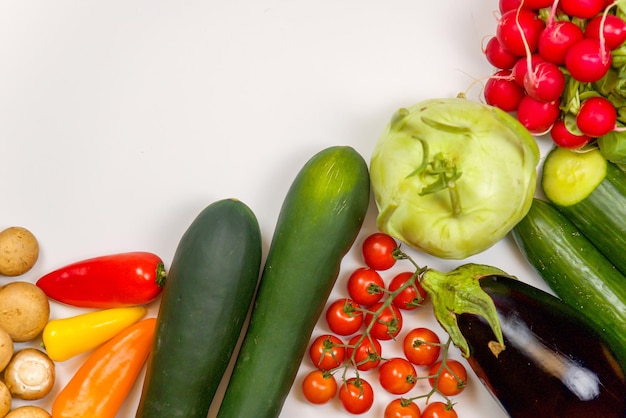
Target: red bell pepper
pixel 109 281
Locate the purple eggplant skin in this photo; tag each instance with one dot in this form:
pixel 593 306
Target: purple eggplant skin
pixel 553 365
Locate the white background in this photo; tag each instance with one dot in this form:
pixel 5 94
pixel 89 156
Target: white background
pixel 121 120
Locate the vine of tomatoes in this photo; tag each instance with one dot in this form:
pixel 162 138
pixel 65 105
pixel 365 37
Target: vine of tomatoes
pixel 349 358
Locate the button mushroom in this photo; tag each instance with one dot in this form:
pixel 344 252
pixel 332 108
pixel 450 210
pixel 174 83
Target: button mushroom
pixel 6 349
pixel 28 411
pixel 30 374
pixel 5 399
pixel 24 310
pixel 19 251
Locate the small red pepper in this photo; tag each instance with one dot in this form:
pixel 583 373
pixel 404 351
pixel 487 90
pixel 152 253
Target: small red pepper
pixel 109 281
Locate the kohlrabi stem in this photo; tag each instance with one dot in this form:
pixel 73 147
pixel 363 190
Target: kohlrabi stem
pixel 446 174
pixel 455 200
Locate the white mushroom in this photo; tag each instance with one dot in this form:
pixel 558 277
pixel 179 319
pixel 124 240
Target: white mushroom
pixel 30 374
pixel 5 399
pixel 28 411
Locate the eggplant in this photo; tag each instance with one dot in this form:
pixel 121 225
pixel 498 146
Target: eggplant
pixel 553 364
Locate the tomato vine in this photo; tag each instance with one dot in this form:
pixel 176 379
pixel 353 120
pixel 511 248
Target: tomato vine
pixel 383 320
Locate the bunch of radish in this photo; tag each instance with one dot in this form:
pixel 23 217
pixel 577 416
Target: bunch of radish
pixel 557 64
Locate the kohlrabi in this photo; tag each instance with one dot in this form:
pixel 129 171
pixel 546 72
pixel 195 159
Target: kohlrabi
pixel 451 177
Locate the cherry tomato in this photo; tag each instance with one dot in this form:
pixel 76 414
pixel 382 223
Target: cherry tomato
pixel 368 352
pixel 439 410
pixel 421 346
pixel 388 323
pixel 402 408
pixel 344 316
pixel 397 375
pixel 365 286
pixel 378 251
pixel 452 377
pixel 319 387
pixel 356 396
pixel 327 352
pixel 411 296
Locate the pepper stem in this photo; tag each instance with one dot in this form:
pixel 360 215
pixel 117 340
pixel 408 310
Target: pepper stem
pixel 161 275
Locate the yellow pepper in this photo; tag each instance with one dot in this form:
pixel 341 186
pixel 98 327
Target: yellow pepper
pixel 66 337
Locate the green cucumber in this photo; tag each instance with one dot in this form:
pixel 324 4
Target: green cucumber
pixel 591 192
pixel 575 270
pixel 319 220
pixel 209 291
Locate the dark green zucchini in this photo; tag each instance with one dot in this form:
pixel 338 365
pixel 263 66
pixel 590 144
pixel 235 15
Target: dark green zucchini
pixel 575 270
pixel 591 192
pixel 318 223
pixel 554 364
pixel 205 301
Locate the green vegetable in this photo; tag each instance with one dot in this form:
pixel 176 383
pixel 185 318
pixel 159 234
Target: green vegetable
pixel 613 146
pixel 575 270
pixel 591 192
pixel 318 223
pixel 451 177
pixel 206 298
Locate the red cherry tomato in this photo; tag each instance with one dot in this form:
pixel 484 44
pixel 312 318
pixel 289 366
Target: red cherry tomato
pixel 378 251
pixel 439 410
pixel 327 352
pixel 397 375
pixel 356 396
pixel 402 408
pixel 421 346
pixel 387 325
pixel 411 296
pixel 319 387
pixel 365 286
pixel 452 377
pixel 368 352
pixel 344 317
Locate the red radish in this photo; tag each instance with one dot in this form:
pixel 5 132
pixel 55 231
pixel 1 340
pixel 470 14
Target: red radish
pixel 545 82
pixel 519 28
pixel 584 9
pixel 562 137
pixel 587 61
pixel 506 5
pixel 614 30
pixel 537 4
pixel 556 39
pixel 538 117
pixel 498 56
pixel 521 67
pixel 596 117
pixel 503 92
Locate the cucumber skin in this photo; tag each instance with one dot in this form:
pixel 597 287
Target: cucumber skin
pixel 210 288
pixel 318 223
pixel 601 216
pixel 575 270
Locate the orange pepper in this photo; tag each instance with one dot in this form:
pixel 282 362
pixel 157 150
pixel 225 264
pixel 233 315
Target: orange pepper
pixel 103 382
